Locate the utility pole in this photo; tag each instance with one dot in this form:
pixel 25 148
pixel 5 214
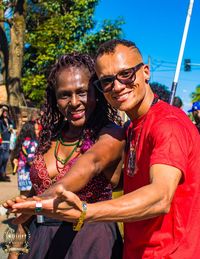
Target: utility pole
pixel 178 66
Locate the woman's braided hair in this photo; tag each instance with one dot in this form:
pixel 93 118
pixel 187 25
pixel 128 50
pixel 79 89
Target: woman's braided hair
pixel 52 119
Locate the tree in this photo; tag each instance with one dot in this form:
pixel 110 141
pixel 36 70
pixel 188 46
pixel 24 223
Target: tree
pixel 55 28
pixel 49 29
pixel 4 52
pixel 12 54
pixel 16 52
pixel 196 94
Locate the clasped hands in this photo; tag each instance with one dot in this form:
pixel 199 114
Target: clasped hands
pixel 63 205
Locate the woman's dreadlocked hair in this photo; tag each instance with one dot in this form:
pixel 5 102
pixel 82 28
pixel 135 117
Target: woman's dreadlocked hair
pixel 52 119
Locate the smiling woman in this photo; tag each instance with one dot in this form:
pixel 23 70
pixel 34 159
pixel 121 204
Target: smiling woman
pixel 74 99
pixel 76 116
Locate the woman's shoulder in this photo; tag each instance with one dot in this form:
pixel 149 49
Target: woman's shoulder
pixel 113 130
pixel 112 125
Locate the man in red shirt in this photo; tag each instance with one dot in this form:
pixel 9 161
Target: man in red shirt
pixel 160 207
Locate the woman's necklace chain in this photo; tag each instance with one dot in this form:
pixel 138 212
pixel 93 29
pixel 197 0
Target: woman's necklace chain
pixel 68 144
pixel 131 166
pixel 56 150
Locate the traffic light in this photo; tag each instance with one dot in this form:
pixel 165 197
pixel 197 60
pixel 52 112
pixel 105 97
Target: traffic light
pixel 187 64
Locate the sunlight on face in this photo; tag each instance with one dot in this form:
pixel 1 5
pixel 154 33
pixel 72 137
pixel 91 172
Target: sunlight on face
pixel 75 99
pixel 124 97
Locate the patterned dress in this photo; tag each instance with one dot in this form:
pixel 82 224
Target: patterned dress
pixel 25 159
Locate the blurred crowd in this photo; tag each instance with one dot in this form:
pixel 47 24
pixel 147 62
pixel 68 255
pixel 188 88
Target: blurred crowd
pixel 17 146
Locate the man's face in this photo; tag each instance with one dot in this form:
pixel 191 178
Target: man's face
pixel 125 97
pixel 196 115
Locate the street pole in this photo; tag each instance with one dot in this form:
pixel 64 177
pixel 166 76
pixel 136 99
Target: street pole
pixel 178 65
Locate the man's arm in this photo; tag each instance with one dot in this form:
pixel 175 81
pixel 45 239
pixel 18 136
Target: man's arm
pixel 104 156
pixel 147 202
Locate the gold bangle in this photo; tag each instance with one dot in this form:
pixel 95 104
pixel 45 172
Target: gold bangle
pixel 80 222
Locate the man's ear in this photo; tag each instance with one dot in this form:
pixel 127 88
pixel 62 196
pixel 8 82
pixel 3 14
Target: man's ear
pixel 146 72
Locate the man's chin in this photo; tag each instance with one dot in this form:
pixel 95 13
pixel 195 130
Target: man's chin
pixel 125 106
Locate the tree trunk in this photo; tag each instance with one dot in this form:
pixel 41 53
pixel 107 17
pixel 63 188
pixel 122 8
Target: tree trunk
pixel 4 52
pixel 15 96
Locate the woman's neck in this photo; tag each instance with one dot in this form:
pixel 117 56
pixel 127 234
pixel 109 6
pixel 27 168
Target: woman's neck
pixel 72 133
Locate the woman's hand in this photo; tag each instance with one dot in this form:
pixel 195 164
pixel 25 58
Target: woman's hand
pixel 10 202
pixel 66 206
pixel 15 161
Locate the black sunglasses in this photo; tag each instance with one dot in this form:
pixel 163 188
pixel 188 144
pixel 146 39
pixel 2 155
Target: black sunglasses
pixel 126 76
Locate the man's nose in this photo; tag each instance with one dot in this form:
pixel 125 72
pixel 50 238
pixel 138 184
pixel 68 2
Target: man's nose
pixel 117 86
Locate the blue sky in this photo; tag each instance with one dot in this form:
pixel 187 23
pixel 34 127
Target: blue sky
pixel 157 27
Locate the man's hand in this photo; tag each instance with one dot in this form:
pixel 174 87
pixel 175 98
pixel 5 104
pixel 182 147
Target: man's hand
pixel 65 206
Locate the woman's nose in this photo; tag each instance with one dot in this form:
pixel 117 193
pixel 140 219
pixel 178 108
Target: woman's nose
pixel 74 100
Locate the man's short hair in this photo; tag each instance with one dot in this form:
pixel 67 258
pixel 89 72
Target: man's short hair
pixel 177 102
pixel 110 46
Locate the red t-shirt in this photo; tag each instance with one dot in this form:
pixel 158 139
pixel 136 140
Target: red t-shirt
pixel 167 137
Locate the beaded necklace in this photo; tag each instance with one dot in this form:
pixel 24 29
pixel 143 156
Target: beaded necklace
pixel 83 144
pixel 56 150
pixel 131 164
pixel 68 144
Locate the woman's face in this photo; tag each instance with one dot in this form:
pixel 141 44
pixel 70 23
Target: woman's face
pixel 75 99
pixel 5 113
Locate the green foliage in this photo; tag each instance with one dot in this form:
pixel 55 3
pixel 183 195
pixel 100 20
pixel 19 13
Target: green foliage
pixel 37 83
pixel 196 95
pixel 58 27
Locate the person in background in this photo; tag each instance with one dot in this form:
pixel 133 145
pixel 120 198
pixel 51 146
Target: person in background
pixel 161 91
pixel 161 201
pixel 195 110
pixel 13 139
pixel 35 117
pixel 23 156
pixel 178 102
pixel 77 121
pixel 6 128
